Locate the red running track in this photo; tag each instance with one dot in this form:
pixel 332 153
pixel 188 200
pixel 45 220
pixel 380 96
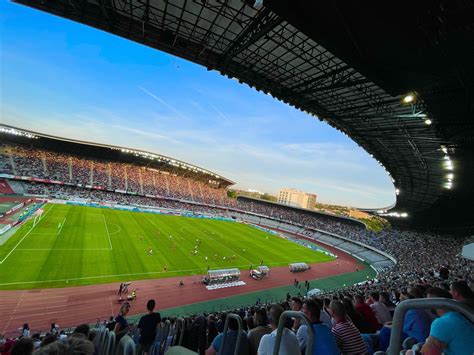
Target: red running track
pixel 84 304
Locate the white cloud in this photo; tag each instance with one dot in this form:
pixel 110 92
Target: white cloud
pixel 163 102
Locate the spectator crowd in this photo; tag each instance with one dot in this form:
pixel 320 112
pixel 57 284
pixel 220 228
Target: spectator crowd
pixel 352 320
pixel 109 175
pixel 349 321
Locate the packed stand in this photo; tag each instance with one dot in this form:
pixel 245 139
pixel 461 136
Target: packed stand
pixel 81 171
pixel 135 179
pixel 355 320
pixel 101 172
pixel 134 184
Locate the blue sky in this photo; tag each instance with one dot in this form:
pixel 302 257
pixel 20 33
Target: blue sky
pixel 66 79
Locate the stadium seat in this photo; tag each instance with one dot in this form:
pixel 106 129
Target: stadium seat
pixel 110 346
pixel 126 346
pixel 96 340
pixel 179 350
pixel 102 341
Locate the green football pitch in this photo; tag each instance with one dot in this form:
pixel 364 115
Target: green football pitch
pixel 75 245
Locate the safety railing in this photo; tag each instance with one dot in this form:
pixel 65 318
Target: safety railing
pixel 239 332
pixel 428 303
pixel 281 325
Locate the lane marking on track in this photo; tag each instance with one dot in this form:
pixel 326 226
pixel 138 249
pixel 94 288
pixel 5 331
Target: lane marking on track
pixel 107 229
pixel 27 233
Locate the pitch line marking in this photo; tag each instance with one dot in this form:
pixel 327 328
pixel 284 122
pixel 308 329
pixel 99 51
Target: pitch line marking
pixel 107 229
pixel 243 267
pixel 62 225
pixel 55 249
pixel 27 233
pixel 117 231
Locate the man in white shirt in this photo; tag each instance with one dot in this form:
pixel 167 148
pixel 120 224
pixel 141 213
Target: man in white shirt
pixel 289 343
pixel 381 311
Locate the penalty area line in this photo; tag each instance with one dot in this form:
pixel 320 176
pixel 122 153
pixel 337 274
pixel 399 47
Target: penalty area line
pixel 27 233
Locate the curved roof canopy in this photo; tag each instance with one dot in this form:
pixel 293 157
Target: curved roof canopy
pixel 349 63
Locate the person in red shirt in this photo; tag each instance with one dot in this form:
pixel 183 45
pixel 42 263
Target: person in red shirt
pixel 367 314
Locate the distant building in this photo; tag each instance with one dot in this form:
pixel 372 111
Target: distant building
pixel 296 198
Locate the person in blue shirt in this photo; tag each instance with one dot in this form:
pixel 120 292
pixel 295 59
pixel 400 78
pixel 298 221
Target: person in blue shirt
pixel 324 342
pixel 230 341
pixel 416 325
pixel 451 333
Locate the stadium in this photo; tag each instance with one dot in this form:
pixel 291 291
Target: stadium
pixel 90 232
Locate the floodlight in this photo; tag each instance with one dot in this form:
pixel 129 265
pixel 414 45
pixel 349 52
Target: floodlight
pixel 450 176
pixel 428 121
pixel 409 98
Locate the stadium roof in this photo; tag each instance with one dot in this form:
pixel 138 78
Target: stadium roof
pixel 134 154
pixel 350 63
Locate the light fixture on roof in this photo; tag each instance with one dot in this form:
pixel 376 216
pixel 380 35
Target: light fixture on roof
pixel 428 121
pixel 448 165
pixel 450 176
pixel 444 149
pixel 397 191
pixel 409 98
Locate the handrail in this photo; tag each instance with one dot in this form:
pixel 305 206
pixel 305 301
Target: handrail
pixel 281 325
pixel 427 303
pixel 239 332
